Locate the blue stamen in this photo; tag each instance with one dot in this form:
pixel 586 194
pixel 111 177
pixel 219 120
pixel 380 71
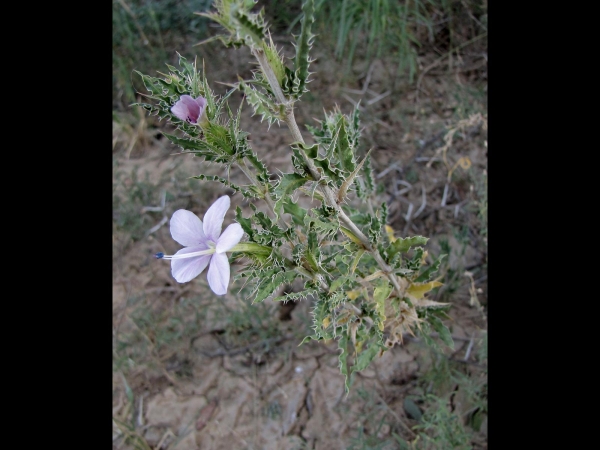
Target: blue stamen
pixel 159 255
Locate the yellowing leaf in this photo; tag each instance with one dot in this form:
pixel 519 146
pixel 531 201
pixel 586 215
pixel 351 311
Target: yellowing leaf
pixel 358 346
pixel 425 303
pixel 326 321
pixel 351 235
pixel 380 294
pixel 390 233
pixel 417 290
pixel 344 319
pixel 374 275
pixel 352 328
pixel 348 181
pixel 353 295
pixel 464 162
pixel 356 260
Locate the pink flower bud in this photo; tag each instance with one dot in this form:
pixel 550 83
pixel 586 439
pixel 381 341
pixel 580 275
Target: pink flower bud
pixel 189 109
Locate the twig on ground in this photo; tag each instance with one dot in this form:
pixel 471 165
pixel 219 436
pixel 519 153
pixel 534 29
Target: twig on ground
pixel 423 203
pixel 441 58
pixel 444 197
pixel 163 199
pixel 379 97
pixel 408 214
pixel 237 351
pixel 469 348
pixel 393 413
pixel 156 227
pixel 393 166
pixel 351 100
pixel 140 418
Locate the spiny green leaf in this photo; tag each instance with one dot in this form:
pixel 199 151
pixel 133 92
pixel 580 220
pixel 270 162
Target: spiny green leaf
pixel 374 228
pixel 426 274
pixel 312 253
pixel 245 223
pixel 359 253
pixel 442 330
pixel 338 283
pixel 330 228
pixel 322 309
pixel 354 126
pixel 302 60
pixel 286 185
pixel 186 144
pixel 383 213
pixel 244 27
pixel 293 209
pixel 268 286
pixel 291 83
pixel 402 245
pixel 263 173
pixel 219 137
pixel 366 356
pixel 275 61
pixel 338 162
pixel 312 260
pixel 425 332
pixel 368 176
pixel 150 83
pixel 360 191
pixel 313 240
pixel 251 28
pixel 298 161
pixel 245 192
pixel 348 181
pixel 345 150
pixel 416 261
pixel 292 296
pixel 328 172
pixel 261 104
pixel 271 233
pixel 298 253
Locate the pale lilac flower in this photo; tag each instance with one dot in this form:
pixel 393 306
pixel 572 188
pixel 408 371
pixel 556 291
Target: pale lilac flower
pixel 204 244
pixel 189 109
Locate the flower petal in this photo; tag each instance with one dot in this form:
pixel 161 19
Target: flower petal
pixel 180 110
pixel 218 273
pixel 213 219
pixel 193 107
pixel 186 228
pixel 201 103
pixel 231 236
pixel 183 270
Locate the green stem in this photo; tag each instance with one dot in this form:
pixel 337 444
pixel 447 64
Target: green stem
pixel 328 194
